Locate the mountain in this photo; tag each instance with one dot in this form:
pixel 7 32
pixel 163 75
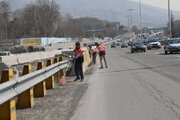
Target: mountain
pixel 112 10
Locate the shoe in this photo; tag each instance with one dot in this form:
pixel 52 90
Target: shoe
pixel 101 68
pixel 76 79
pixel 82 79
pixel 106 66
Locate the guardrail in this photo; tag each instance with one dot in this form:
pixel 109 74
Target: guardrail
pixel 20 92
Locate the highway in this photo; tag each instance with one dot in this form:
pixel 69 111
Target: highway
pixel 138 86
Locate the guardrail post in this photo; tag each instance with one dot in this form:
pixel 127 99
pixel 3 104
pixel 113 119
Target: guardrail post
pixel 26 99
pixel 62 79
pixel 50 80
pixel 55 60
pixel 7 109
pixel 40 88
pixel 6 75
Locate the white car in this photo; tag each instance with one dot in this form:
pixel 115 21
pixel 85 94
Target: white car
pixel 172 45
pixel 154 44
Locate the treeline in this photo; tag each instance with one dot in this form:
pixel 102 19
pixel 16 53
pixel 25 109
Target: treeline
pixel 44 19
pixel 175 28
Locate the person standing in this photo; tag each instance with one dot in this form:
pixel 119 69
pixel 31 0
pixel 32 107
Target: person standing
pixel 102 52
pixel 92 53
pixel 78 61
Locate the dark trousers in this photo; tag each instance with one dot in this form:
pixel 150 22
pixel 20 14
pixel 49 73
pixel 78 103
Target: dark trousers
pixel 94 58
pixel 79 69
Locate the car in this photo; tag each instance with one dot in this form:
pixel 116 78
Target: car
pixel 138 46
pixel 117 44
pixel 60 49
pixel 113 45
pixel 5 53
pixel 154 43
pixel 172 45
pixel 130 43
pixel 124 45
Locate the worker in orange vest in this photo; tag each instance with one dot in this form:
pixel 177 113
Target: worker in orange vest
pixel 102 52
pixel 78 60
pixel 92 53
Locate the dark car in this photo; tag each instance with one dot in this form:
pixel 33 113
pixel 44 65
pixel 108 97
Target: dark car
pixel 124 45
pixel 113 45
pixel 117 44
pixel 172 45
pixel 138 46
pixel 130 43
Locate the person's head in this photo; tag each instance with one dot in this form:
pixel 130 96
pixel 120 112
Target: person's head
pixel 97 44
pixel 78 45
pixel 90 46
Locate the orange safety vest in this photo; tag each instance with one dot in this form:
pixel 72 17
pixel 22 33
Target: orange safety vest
pixel 78 51
pixel 101 48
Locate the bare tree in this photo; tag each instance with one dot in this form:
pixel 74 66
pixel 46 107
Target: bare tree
pixel 41 19
pixel 175 27
pixel 4 19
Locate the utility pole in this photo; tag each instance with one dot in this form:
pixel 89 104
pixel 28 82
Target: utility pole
pixel 130 20
pixel 140 16
pixel 169 17
pixel 129 26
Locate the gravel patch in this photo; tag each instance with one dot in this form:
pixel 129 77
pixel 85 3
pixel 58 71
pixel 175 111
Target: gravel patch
pixel 59 104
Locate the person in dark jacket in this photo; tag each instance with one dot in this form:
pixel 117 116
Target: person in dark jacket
pixel 78 60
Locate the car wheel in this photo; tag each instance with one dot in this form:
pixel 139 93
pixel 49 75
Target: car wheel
pixel 171 52
pixel 132 51
pixel 166 52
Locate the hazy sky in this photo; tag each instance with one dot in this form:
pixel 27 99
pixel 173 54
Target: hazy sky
pixel 175 4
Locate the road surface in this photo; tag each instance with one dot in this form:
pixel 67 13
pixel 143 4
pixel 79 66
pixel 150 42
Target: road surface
pixel 139 86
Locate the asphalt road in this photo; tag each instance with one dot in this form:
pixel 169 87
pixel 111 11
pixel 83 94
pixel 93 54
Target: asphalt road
pixel 139 86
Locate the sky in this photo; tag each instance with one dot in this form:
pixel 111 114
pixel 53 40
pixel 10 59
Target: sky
pixel 175 4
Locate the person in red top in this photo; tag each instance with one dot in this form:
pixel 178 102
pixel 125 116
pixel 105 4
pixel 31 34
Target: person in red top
pixel 92 53
pixel 78 60
pixel 102 52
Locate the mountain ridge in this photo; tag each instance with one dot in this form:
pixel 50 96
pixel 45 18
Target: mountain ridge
pixel 112 10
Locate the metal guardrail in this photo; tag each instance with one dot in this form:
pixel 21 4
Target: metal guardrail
pixel 7 91
pixel 16 86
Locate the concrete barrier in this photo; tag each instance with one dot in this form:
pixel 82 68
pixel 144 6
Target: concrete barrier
pixel 28 57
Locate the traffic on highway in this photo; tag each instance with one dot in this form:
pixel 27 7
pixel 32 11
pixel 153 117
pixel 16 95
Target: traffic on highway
pixel 137 44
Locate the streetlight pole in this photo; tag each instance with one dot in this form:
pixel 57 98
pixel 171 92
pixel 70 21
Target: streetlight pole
pixel 169 17
pixel 130 21
pixel 129 26
pixel 140 16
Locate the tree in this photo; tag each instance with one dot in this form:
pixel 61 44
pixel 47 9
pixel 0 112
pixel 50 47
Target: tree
pixel 41 19
pixel 4 19
pixel 175 27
